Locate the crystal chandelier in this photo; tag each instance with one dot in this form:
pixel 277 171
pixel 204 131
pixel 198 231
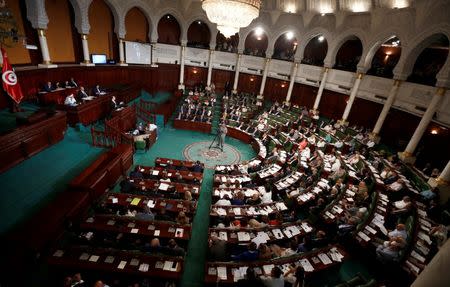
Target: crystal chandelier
pixel 231 15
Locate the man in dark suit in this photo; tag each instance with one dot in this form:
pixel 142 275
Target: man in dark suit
pixel 96 90
pixel 82 94
pixel 48 87
pixel 73 83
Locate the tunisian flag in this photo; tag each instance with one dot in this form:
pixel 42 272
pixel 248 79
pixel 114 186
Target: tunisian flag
pixel 9 80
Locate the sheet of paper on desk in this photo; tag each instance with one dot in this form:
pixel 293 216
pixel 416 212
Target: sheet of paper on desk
pixel 413 267
pixel 94 258
pixel 212 271
pixel 425 237
pixel 223 235
pixel 135 201
pixel 277 233
pixel 268 269
pixel 163 186
pixel 259 240
pixel 281 206
pixel 237 211
pixel 381 227
pixel 122 265
pixel 115 200
pixel 134 262
pixel 84 256
pixel 306 265
pixel 370 229
pixel 324 258
pixel 144 267
pixel 58 253
pixel 306 227
pixel 151 204
pixel 221 211
pixel 179 232
pixel 168 265
pixel 363 236
pixel 156 232
pixel 222 273
pixel 155 172
pixel 417 256
pixel 109 259
pixel 243 236
pixel 134 230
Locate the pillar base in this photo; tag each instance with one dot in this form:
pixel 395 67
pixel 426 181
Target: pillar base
pixel 375 137
pixel 443 186
pixel 234 91
pixel 259 97
pixel 87 64
pixel 180 86
pixel 287 103
pixel 122 64
pixel 343 123
pixel 47 66
pixel 154 65
pixel 407 157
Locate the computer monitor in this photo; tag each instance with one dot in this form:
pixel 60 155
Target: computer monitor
pixel 98 58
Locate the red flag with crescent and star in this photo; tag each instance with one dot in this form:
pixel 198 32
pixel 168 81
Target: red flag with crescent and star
pixel 9 79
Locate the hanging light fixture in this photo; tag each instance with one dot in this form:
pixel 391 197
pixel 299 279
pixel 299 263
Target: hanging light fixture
pixel 231 15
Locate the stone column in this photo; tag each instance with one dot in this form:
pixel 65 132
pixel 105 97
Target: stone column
pixel 84 43
pixel 291 83
pixel 46 61
pixel 181 84
pixel 321 87
pixel 210 66
pixel 236 74
pixel 122 53
pixel 407 155
pixel 442 183
pixel 264 78
pixel 387 106
pixel 351 99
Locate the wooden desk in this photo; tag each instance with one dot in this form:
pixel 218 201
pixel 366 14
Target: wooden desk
pixel 282 232
pixel 28 140
pixel 160 161
pixel 129 225
pixel 240 135
pixel 56 97
pixel 192 126
pixel 250 211
pixel 70 258
pixel 88 112
pixel 148 185
pixel 186 176
pixel 170 205
pixel 312 257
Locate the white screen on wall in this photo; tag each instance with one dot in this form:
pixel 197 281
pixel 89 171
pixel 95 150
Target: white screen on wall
pixel 137 53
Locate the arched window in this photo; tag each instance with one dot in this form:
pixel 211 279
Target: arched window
pixel 315 51
pixel 169 30
pixel 136 25
pixel 285 47
pixel 256 43
pixel 386 58
pixel 199 35
pixel 349 54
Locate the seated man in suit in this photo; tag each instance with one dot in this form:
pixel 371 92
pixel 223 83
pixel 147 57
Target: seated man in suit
pixel 70 100
pixel 82 94
pixel 73 83
pixel 114 104
pixel 48 87
pixel 97 91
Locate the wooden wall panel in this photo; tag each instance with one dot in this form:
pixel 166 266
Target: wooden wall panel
pixel 249 83
pixel 275 90
pixel 332 104
pixel 304 95
pixel 364 113
pixel 194 76
pixel 220 77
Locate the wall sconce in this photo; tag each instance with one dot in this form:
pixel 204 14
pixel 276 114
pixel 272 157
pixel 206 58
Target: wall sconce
pixel 251 79
pixel 195 71
pixel 283 85
pixel 434 131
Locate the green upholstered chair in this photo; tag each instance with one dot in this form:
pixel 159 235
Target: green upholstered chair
pixel 140 145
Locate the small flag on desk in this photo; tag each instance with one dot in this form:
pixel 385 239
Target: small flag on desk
pixel 9 79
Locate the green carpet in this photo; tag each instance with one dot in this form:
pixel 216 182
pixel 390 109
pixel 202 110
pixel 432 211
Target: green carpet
pixel 31 184
pixel 8 119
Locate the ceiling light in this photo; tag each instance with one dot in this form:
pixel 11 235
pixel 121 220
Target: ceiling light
pixel 290 8
pixel 168 16
pixel 321 38
pixel 231 15
pixel 259 32
pixel 199 22
pixel 289 35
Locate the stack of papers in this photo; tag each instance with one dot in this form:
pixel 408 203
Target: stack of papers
pixel 306 265
pixel 222 273
pixel 163 186
pixel 243 236
pixel 324 258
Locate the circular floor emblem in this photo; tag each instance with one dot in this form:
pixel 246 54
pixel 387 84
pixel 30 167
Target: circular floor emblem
pixel 211 157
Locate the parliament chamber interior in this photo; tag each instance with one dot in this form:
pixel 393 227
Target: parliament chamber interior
pixel 166 143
